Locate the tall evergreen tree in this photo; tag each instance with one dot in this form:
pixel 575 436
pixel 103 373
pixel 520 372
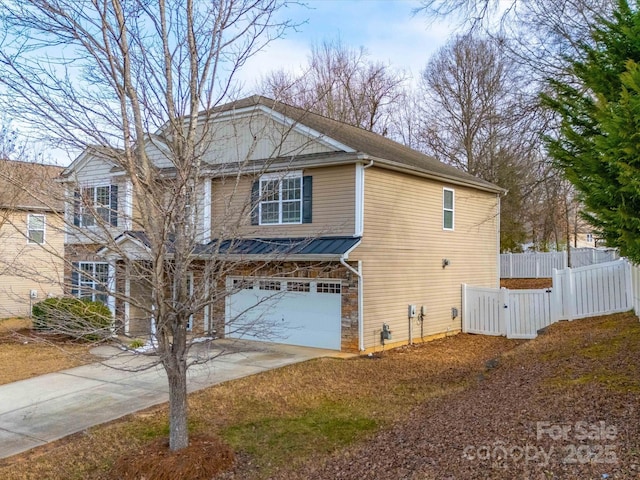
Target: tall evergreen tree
pixel 598 141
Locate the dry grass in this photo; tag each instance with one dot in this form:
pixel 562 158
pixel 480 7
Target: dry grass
pixel 25 354
pixel 284 416
pixel 408 413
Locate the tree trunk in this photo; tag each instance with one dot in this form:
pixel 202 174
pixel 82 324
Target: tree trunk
pixel 178 431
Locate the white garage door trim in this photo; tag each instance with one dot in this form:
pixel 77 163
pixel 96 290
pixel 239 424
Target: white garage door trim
pixel 294 311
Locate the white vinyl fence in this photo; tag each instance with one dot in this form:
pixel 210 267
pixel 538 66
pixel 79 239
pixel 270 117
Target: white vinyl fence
pixel 595 290
pixel 577 293
pixel 541 264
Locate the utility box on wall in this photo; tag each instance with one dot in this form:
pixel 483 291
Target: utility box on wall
pixel 385 334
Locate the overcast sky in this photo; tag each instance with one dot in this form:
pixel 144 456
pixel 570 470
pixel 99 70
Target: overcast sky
pixel 387 29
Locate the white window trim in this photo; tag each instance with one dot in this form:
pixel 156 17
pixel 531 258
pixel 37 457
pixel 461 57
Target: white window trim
pixel 44 228
pixel 452 209
pixel 94 282
pixel 280 177
pixel 95 187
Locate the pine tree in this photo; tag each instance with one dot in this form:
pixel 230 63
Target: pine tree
pixel 598 142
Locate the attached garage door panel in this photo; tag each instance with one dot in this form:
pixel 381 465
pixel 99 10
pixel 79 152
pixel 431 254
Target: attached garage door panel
pixel 300 312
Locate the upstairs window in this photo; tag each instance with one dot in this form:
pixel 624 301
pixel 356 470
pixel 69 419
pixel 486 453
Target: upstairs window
pixel 447 209
pixel 280 200
pixel 35 228
pixel 96 206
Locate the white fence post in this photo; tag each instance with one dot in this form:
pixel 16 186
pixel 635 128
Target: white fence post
pixel 556 296
pixel 569 295
pixel 465 316
pixel 628 284
pixel 504 313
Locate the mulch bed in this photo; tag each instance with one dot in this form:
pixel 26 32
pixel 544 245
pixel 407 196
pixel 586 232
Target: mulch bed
pixel 205 457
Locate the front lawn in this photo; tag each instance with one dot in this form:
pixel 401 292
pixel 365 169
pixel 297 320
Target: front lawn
pixel 426 411
pixel 25 354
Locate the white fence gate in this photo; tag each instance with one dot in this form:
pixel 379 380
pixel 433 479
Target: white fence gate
pixel 577 293
pixel 514 313
pixel 541 264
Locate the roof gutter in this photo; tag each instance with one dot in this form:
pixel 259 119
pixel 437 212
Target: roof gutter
pixel 400 167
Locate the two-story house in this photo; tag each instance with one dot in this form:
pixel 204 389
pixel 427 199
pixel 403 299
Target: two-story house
pixel 338 233
pixel 31 236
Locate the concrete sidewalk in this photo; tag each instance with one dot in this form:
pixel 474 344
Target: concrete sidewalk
pixel 42 409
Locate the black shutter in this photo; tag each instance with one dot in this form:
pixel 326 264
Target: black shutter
pixel 307 196
pixel 75 279
pixel 76 208
pixel 255 197
pixel 113 217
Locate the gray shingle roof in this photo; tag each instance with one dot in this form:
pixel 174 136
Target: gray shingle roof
pixel 363 141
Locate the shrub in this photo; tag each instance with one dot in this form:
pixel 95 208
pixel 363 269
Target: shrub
pixel 82 319
pixel 136 343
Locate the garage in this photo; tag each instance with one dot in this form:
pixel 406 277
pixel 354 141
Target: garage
pixel 304 312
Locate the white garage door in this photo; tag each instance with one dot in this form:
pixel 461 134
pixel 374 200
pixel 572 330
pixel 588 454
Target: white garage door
pixel 296 312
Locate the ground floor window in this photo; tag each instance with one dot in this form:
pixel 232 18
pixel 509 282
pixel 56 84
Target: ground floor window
pixel 93 278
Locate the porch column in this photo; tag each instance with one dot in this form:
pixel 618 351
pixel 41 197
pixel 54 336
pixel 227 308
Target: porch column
pixel 111 289
pixel 127 296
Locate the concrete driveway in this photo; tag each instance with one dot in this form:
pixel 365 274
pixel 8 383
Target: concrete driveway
pixel 42 409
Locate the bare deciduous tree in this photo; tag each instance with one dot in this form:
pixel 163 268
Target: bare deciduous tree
pixel 342 83
pixel 137 83
pixel 476 115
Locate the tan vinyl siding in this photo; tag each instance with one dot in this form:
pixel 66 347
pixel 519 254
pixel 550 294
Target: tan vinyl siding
pixel 403 247
pixel 24 266
pixel 333 206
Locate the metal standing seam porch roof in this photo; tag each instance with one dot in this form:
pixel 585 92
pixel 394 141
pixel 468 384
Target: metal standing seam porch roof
pixel 280 248
pixel 284 246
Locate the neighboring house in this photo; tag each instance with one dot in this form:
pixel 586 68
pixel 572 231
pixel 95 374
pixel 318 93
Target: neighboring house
pixel 347 227
pixel 586 239
pixel 31 236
